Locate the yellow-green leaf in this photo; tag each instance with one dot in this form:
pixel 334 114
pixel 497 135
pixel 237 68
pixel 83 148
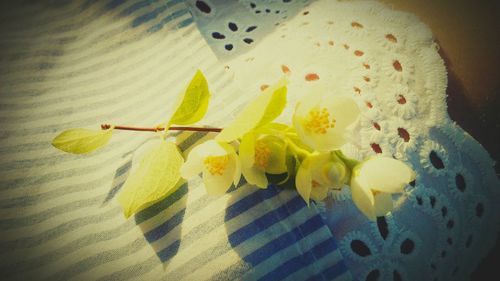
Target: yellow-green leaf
pixel 157 176
pixel 194 102
pixel 261 111
pixel 80 141
pixel 275 106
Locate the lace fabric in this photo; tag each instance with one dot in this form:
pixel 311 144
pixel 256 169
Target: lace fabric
pixel 447 220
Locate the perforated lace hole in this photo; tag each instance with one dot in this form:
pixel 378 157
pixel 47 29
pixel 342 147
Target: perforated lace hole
pixel 285 69
pixel 479 210
pixel 228 47
pixel 305 13
pixel 407 246
pixel 358 53
pixel 345 46
pixel 331 43
pixel 460 182
pixel 311 77
pixel 468 242
pixel 217 35
pixel 366 78
pixel 369 104
pixel 203 7
pixel 449 241
pixel 401 99
pixel 356 24
pixel 397 66
pixel 376 126
pixel 419 200
pixel 357 90
pixel 248 40
pixel 263 87
pixel 232 26
pixel 374 275
pixel 396 276
pixel 450 224
pixel 436 160
pixel 432 200
pixel 382 226
pixel 391 38
pixel 366 66
pixel 251 28
pixel 403 133
pixel 360 248
pixel 444 211
pixel 413 183
pixel 376 148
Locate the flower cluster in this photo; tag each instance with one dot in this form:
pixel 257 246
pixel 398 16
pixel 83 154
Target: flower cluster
pixel 306 152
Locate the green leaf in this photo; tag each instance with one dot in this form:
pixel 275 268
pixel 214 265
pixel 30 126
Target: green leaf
pixel 261 111
pixel 80 141
pixel 275 106
pixel 157 176
pixel 194 102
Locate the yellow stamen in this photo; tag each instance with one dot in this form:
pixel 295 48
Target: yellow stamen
pixel 319 121
pixel 262 154
pixel 216 164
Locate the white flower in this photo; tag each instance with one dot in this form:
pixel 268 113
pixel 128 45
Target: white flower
pixel 321 122
pixel 219 164
pixel 374 180
pixel 317 174
pixel 261 154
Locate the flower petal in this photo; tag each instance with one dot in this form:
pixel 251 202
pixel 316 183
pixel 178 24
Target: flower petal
pixel 303 181
pixel 193 165
pixel 386 174
pixel 363 197
pixel 247 150
pixel 234 161
pixel 344 110
pixel 383 204
pixel 255 176
pixel 219 184
pixel 319 193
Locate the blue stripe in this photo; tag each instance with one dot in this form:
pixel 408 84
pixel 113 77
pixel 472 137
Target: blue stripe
pixel 156 208
pixel 167 19
pixel 165 227
pixel 304 259
pixel 148 16
pixel 284 240
pixel 114 3
pixel 251 229
pixel 185 22
pixel 249 201
pixel 137 6
pixel 170 251
pixel 335 270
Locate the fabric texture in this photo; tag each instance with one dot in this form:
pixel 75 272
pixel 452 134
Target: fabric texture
pixel 80 64
pixel 447 220
pixel 70 64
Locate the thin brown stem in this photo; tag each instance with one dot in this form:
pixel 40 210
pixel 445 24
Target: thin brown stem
pixel 142 129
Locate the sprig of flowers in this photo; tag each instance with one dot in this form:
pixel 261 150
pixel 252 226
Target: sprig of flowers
pixel 305 153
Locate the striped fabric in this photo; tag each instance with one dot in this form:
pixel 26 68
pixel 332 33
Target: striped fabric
pixel 77 64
